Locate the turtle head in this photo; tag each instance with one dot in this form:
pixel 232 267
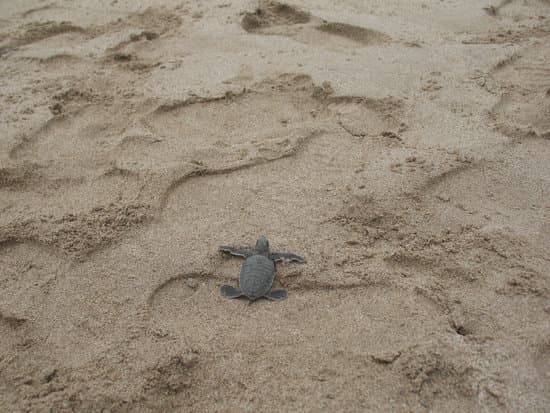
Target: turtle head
pixel 262 246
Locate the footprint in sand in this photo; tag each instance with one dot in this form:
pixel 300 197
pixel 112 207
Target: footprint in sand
pixel 542 363
pixel 524 107
pixel 273 120
pixel 274 18
pixel 29 273
pixel 267 122
pixel 100 34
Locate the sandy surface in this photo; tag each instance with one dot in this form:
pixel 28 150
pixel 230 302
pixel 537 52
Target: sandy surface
pixel 402 147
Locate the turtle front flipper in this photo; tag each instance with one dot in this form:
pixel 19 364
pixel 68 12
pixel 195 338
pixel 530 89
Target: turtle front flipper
pixel 230 292
pixel 239 252
pixel 276 295
pixel 282 256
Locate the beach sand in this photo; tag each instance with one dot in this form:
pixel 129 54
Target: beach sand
pixel 401 147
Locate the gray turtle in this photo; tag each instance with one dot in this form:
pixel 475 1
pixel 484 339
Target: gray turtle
pixel 257 272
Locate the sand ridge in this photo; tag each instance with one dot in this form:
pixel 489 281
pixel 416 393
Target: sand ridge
pixel 407 160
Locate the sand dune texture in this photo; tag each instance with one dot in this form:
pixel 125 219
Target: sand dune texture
pixel 402 147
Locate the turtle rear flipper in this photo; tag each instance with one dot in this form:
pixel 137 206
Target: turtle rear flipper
pixel 276 295
pixel 239 252
pixel 230 292
pixel 283 256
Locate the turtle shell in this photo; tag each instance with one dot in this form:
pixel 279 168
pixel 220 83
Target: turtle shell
pixel 257 274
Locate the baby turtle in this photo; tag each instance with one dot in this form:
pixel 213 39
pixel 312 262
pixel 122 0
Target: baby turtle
pixel 257 272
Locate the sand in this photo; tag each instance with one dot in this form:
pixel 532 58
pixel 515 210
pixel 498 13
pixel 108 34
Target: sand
pixel 401 147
